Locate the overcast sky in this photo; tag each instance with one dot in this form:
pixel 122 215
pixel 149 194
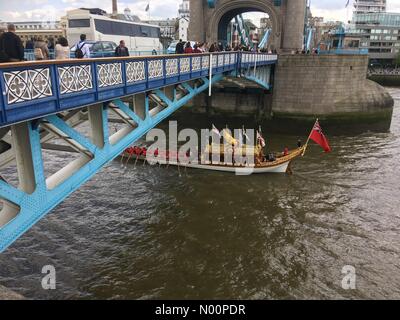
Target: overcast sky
pixel 37 10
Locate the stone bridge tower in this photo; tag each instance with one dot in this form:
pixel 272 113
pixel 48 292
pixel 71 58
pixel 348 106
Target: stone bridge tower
pixel 209 19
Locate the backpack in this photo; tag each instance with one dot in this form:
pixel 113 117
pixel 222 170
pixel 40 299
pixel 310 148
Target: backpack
pixel 38 54
pixel 78 52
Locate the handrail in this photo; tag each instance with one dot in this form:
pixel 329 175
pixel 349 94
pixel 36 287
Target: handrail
pixel 37 88
pixel 52 61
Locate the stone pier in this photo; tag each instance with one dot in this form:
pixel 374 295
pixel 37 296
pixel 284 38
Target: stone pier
pixel 331 87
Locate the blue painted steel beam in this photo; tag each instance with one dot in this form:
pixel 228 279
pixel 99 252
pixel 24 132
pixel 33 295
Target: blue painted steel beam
pixel 102 80
pixel 259 82
pixel 36 205
pixel 34 90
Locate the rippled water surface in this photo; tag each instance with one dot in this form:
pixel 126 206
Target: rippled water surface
pixel 147 233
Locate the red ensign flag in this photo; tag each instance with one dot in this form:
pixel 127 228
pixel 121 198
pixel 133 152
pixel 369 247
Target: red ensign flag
pixel 318 137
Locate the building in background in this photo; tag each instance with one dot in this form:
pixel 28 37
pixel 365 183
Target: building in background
pixel 3 27
pixel 45 29
pixel 322 31
pixel 265 23
pixel 379 33
pixel 183 29
pixel 184 9
pixel 369 6
pixel 184 19
pixel 168 30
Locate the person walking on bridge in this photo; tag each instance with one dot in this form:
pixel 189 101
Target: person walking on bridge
pixel 11 48
pixel 180 47
pixel 82 49
pixel 41 50
pixel 62 49
pixel 122 50
pixel 188 48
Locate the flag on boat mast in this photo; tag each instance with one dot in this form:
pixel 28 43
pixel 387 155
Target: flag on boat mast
pixel 318 137
pixel 245 135
pixel 228 138
pixel 216 131
pixel 260 139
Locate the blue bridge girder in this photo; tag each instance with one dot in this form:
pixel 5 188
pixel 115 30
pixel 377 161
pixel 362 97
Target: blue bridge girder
pixel 42 97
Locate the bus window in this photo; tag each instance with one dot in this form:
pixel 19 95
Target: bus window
pixel 145 31
pixel 103 26
pixel 155 32
pixel 122 29
pixel 79 23
pixel 135 30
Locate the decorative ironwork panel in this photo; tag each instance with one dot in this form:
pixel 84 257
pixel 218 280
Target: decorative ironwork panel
pixel 27 85
pixel 171 66
pixel 185 65
pixel 214 61
pixel 206 62
pixel 227 59
pixel 233 58
pixel 135 71
pixel 220 60
pixel 196 63
pixel 75 78
pixel 155 69
pixel 109 74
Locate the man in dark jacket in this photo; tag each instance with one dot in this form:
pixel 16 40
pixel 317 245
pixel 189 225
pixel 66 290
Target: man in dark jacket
pixel 11 48
pixel 122 50
pixel 180 47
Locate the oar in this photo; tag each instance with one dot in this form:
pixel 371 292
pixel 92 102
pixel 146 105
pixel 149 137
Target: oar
pixel 179 169
pixel 129 158
pixel 186 164
pixel 122 159
pixel 137 157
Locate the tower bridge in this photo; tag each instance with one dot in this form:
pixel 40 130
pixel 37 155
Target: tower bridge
pixel 209 20
pixel 43 101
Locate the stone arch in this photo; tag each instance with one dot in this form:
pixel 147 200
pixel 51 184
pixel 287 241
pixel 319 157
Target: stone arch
pixel 232 7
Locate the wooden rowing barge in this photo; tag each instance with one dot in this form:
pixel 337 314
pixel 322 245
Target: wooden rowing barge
pixel 280 165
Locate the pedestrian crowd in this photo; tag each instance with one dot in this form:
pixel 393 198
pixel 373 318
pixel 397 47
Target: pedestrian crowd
pixel 187 47
pixel 12 49
pixel 304 51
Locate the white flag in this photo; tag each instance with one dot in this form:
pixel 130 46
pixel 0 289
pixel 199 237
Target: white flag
pixel 216 131
pixel 260 140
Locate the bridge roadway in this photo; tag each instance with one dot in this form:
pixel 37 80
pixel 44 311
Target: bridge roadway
pixel 44 100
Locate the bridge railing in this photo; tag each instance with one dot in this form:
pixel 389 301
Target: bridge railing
pixel 251 59
pixel 355 51
pixel 30 54
pixel 34 89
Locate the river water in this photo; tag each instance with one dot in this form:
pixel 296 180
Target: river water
pixel 148 233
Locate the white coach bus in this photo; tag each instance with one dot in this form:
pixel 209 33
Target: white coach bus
pixel 138 37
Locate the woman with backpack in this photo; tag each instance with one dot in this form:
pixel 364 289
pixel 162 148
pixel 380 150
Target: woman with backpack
pixel 41 50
